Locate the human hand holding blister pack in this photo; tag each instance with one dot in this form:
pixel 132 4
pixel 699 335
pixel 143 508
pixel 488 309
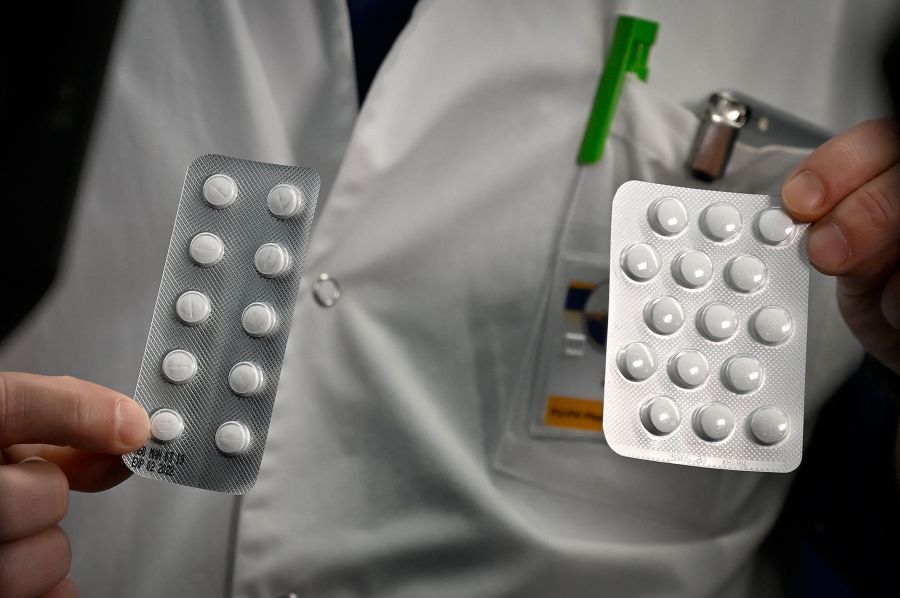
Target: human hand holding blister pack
pixel 847 189
pixel 211 367
pixel 57 434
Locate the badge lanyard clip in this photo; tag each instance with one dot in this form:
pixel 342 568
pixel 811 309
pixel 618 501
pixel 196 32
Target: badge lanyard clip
pixel 629 53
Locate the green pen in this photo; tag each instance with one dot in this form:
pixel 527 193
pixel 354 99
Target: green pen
pixel 629 53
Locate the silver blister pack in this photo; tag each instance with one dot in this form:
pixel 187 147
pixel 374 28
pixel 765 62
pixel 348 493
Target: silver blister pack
pixel 213 358
pixel 706 353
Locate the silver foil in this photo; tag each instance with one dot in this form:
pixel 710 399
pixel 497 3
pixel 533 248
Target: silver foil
pixel 206 401
pixel 784 365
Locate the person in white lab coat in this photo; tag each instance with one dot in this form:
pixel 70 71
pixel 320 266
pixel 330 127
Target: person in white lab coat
pixel 392 468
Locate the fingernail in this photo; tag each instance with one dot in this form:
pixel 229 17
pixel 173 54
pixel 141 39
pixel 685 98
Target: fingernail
pixel 132 423
pixel 803 193
pixel 827 246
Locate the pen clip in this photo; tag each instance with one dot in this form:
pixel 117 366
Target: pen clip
pixel 630 52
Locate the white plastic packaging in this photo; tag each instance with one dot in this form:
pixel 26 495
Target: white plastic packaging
pixel 220 326
pixel 706 349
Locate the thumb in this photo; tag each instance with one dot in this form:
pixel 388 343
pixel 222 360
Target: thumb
pixel 66 411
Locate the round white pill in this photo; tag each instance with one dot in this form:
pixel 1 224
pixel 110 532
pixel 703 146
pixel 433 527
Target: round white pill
pixel 166 425
pixel 775 226
pixel 717 322
pixel 772 325
pixel 206 249
pixel 258 319
pixel 714 422
pixel 721 221
pixel 667 216
pixel 636 362
pixel 688 368
pixel 285 201
pixel 664 315
pixel 220 191
pixel 272 260
pixel 245 379
pixel 692 269
pixel 640 262
pixel 192 308
pixel 232 438
pixel 768 425
pixel 660 416
pixel 743 373
pixel 179 366
pixel 746 273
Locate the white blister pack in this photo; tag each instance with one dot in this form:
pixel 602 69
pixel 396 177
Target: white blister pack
pixel 706 352
pixel 213 358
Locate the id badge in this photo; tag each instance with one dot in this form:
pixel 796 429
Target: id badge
pixel 567 394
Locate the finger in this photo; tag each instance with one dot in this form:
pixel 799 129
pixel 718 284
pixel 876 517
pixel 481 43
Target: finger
pixel 839 166
pixel 861 303
pixel 67 411
pixel 860 233
pixel 34 496
pixel 86 471
pixel 65 589
pixel 34 565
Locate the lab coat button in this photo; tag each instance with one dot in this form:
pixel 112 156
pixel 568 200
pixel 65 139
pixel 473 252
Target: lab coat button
pixel 326 290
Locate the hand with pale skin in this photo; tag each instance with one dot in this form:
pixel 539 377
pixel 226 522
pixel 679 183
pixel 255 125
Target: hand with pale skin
pixel 849 188
pixel 56 434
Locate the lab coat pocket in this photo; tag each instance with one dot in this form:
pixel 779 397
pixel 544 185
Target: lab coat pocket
pixel 553 432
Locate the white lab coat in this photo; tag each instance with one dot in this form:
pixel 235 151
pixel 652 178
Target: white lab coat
pixel 395 465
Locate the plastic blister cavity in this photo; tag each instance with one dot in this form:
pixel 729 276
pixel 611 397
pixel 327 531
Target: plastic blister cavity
pixel 707 321
pixel 220 326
